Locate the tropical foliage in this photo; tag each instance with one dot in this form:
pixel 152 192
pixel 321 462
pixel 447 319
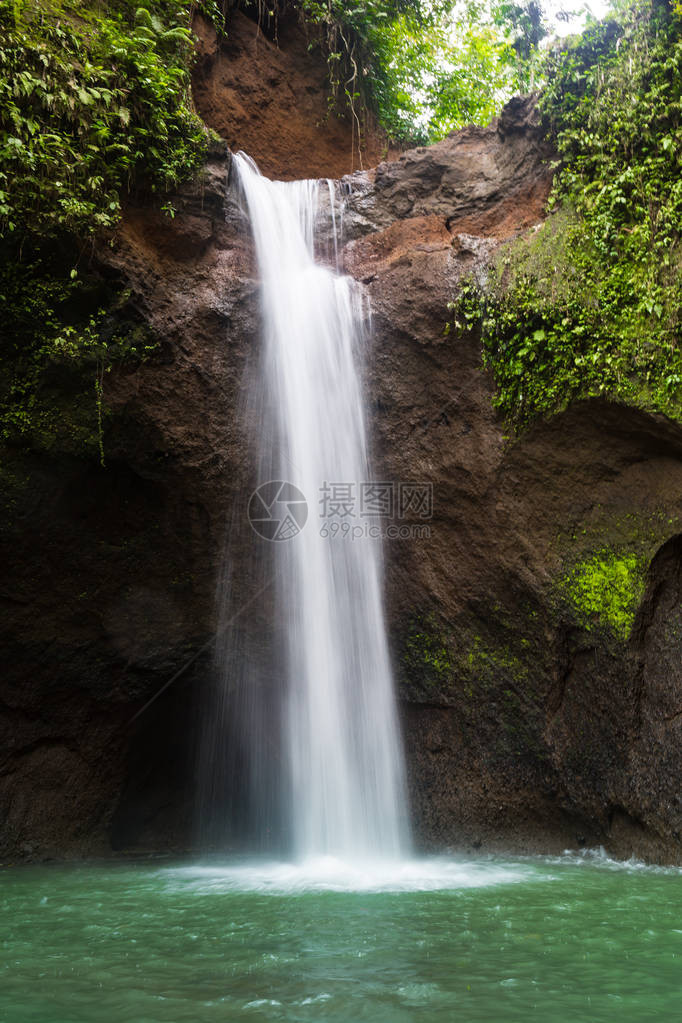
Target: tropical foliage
pixel 94 104
pixel 93 101
pixel 591 305
pixel 426 67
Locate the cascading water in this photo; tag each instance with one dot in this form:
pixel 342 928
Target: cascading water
pixel 341 785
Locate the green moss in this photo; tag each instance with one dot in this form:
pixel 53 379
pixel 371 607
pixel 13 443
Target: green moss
pixel 485 663
pixel 434 660
pixel 504 669
pixel 603 563
pixel 606 590
pixel 488 666
pixel 426 658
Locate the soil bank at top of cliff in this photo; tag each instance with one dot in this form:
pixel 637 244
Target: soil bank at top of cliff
pixel 271 99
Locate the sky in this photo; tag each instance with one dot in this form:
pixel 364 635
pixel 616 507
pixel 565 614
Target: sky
pixel 598 8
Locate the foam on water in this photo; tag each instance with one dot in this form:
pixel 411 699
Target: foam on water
pixel 597 856
pixel 327 873
pixel 418 874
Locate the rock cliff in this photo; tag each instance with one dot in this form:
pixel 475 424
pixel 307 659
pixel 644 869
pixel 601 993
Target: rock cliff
pixel 530 722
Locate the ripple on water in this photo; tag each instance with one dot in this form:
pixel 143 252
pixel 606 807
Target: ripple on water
pixel 559 939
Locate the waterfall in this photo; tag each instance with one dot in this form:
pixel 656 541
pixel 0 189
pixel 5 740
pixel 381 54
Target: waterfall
pixel 340 782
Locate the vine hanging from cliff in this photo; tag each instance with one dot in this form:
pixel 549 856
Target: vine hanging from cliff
pixel 426 67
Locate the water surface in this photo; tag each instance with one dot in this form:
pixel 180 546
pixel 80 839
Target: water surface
pixel 438 940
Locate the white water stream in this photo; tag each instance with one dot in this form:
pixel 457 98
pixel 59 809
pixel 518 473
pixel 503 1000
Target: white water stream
pixel 342 784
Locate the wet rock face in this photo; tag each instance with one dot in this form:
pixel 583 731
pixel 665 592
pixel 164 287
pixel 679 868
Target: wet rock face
pixel 651 785
pixel 482 181
pixel 524 727
pixel 109 574
pixel 487 182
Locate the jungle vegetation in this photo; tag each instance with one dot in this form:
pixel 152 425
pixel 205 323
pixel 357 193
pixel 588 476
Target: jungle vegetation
pixel 96 107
